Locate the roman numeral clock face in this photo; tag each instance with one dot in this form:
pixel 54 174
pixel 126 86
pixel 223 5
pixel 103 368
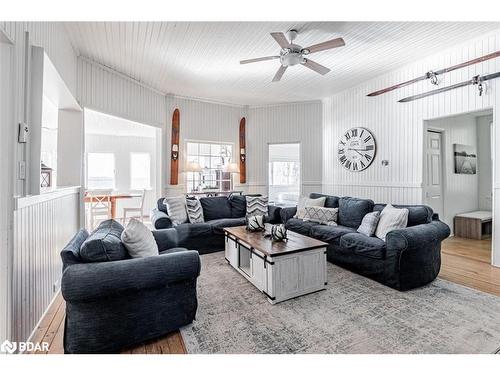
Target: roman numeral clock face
pixel 357 149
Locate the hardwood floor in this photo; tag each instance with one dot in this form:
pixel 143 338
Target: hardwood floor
pixel 464 261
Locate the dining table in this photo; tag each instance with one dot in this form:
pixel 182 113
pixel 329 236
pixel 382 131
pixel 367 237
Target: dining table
pixel 113 197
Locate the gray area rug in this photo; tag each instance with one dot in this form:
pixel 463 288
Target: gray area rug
pixel 353 315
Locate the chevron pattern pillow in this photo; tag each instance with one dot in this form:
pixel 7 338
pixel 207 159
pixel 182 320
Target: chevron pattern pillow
pixel 257 206
pixel 194 211
pixel 321 215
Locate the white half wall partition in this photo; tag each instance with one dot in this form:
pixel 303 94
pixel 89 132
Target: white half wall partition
pixel 399 127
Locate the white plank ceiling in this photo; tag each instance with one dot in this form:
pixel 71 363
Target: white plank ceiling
pixel 201 59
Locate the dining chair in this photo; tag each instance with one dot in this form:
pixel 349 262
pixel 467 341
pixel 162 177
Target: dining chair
pixel 99 205
pixel 139 210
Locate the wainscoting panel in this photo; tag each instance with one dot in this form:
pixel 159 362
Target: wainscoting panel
pixel 43 225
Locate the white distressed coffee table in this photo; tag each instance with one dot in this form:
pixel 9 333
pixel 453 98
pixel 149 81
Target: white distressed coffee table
pixel 280 270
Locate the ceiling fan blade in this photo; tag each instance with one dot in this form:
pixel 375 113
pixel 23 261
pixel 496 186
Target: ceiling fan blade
pixel 279 73
pixel 329 44
pixel 259 59
pixel 318 68
pixel 281 39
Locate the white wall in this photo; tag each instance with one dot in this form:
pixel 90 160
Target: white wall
pixel 460 191
pixel 202 121
pixel 294 122
pixel 484 164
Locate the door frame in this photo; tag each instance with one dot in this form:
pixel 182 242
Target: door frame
pixel 300 160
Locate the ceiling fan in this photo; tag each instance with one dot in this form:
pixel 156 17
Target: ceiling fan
pixel 292 54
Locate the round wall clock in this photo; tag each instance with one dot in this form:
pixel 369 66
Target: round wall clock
pixel 357 149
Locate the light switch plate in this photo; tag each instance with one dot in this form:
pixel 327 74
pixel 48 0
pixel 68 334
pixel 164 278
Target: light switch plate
pixel 22 170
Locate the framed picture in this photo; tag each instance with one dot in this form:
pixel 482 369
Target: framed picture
pixel 465 159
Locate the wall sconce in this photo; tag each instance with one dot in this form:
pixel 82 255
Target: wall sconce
pixel 175 152
pixel 242 155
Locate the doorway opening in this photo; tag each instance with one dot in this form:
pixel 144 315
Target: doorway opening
pixel 122 168
pixel 458 183
pixel 284 173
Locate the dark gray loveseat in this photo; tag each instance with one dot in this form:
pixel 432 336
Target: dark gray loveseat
pixel 115 304
pixel 219 212
pixel 409 258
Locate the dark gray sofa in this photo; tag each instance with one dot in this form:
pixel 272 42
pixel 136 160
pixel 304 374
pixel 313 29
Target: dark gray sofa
pixel 409 258
pixel 219 212
pixel 115 304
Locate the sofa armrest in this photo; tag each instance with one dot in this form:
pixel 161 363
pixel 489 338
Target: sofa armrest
pixel 92 281
pixel 417 237
pixel 287 213
pixel 166 238
pixel 160 219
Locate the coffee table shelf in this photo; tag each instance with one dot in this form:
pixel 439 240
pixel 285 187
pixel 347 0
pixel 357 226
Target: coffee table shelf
pixel 280 270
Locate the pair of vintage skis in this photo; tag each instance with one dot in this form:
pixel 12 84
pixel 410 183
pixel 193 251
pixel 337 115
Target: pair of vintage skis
pixel 432 76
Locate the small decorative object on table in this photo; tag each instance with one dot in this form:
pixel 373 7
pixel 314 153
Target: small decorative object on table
pixel 255 223
pixel 278 232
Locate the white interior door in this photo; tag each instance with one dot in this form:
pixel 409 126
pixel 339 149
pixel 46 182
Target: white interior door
pixel 433 185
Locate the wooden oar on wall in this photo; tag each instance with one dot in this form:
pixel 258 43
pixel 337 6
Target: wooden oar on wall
pixel 174 149
pixel 242 152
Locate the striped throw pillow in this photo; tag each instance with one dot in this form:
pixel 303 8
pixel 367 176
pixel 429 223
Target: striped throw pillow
pixel 176 207
pixel 194 211
pixel 321 215
pixel 369 223
pixel 256 206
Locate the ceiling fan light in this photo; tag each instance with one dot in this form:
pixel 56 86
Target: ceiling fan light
pixel 305 51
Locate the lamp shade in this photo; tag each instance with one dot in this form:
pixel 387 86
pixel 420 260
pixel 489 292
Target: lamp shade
pixel 232 168
pixel 193 167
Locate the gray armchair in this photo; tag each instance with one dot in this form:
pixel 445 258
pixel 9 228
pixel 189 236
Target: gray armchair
pixel 117 304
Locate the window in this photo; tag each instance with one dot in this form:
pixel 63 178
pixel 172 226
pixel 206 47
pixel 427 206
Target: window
pixel 284 173
pixel 212 157
pixel 100 170
pixel 140 170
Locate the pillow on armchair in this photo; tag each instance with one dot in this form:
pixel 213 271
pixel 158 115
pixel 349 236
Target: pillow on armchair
pixel 104 244
pixel 139 240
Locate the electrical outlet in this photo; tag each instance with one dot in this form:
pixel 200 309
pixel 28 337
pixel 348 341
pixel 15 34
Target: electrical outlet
pixel 22 170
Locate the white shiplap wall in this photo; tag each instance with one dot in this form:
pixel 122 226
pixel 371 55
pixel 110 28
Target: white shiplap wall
pixel 294 122
pixel 399 127
pixel 199 120
pixel 43 225
pixel 111 92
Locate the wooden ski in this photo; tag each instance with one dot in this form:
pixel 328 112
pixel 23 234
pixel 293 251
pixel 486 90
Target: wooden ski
pixel 242 152
pixel 476 80
pixel 433 74
pixel 174 149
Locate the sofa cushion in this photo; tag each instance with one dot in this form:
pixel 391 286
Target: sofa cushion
pixel 417 214
pixel 219 224
pixel 177 211
pixel 238 205
pixel 321 215
pixel 194 211
pixel 391 218
pixel 371 247
pixel 308 202
pixel 215 208
pixel 330 234
pixel 331 201
pixel 104 244
pixel 300 226
pixel 353 210
pixel 161 205
pixel 71 252
pixel 369 224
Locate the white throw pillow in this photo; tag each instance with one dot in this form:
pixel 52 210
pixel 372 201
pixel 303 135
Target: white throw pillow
pixel 305 201
pixel 139 240
pixel 391 218
pixel 176 208
pixel 321 215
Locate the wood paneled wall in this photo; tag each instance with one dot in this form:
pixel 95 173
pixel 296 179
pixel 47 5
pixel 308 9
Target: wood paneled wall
pixel 399 127
pixel 43 225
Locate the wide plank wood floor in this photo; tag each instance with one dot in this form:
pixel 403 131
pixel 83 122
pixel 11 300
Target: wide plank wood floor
pixel 464 261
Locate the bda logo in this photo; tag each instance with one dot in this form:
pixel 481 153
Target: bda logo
pixel 8 347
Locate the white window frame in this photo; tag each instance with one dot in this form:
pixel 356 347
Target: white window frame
pixel 268 185
pixel 187 182
pixel 87 169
